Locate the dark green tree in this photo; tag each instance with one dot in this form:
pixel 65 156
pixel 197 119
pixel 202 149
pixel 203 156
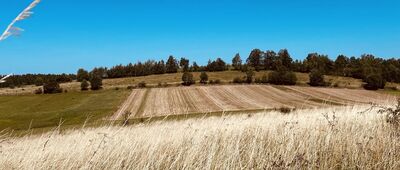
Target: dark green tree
pixel 237 62
pixel 316 78
pixel 171 65
pixel 187 79
pixel 96 81
pixel 195 67
pixel 270 60
pixel 341 63
pixel 51 87
pixel 217 65
pixel 285 59
pixel 374 82
pixel 82 74
pixel 184 63
pixel 282 78
pixel 255 59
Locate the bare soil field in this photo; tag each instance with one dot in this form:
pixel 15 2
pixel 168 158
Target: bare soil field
pixel 206 99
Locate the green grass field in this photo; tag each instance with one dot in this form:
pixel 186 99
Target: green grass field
pixel 43 111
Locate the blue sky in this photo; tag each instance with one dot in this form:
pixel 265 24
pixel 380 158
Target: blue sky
pixel 63 36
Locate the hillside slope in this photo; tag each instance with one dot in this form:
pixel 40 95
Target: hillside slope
pixel 176 78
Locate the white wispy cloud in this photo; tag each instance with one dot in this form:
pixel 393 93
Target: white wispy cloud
pixel 13 30
pixel 3 80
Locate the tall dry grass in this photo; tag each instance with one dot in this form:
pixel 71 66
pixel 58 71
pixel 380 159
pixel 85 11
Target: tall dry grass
pixel 334 138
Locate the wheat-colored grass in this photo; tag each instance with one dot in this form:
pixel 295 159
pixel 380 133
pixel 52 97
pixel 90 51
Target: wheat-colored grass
pixel 300 140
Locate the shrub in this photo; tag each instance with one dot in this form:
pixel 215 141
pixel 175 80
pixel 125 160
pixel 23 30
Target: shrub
pixel 203 77
pixel 141 84
pixel 374 82
pixel 211 82
pixel 84 85
pixel 38 91
pixel 316 78
pixel 187 79
pixel 282 78
pixel 274 78
pixel 52 87
pixel 249 75
pixel 289 78
pixel 130 87
pixel 96 82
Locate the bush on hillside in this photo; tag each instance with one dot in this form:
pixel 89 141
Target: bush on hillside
pixel 203 77
pixel 249 75
pixel 374 82
pixel 96 82
pixel 52 87
pixel 289 78
pixel 282 78
pixel 187 79
pixel 316 78
pixel 84 85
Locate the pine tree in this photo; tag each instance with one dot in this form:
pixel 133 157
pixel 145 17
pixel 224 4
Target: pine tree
pixel 171 65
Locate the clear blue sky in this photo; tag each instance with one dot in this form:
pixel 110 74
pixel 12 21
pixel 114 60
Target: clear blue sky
pixel 63 36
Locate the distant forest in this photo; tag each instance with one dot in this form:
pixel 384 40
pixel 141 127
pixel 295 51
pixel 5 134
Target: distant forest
pixel 362 67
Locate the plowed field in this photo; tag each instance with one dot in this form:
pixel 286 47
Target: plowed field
pixel 205 99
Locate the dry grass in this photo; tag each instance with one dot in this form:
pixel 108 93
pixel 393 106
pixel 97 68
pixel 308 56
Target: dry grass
pixel 333 138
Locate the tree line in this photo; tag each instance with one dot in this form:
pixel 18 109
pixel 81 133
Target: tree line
pixel 373 70
pixel 36 79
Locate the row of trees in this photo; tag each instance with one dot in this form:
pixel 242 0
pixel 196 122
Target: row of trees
pixel 372 70
pixel 152 67
pixel 36 79
pixel 367 67
pixel 94 78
